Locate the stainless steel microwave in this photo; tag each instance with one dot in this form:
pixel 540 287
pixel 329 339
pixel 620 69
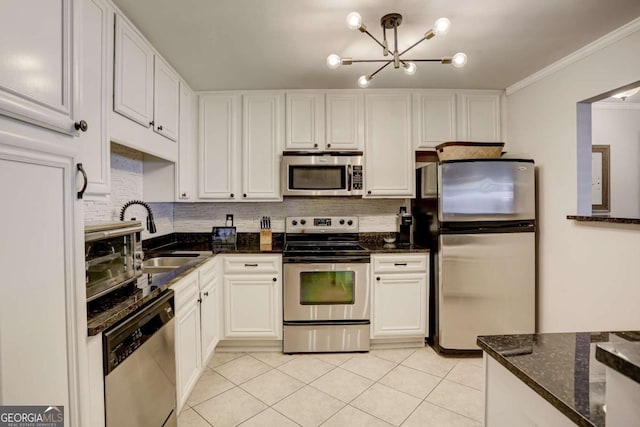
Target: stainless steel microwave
pixel 333 173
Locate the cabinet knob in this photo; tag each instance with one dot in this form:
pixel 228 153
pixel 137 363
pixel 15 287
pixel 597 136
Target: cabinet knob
pixel 151 123
pixel 184 194
pixel 199 299
pixel 81 125
pixel 328 145
pixel 231 195
pixel 275 279
pixel 315 145
pixel 160 127
pixel 378 278
pixel 244 195
pixel 369 192
pixel 206 294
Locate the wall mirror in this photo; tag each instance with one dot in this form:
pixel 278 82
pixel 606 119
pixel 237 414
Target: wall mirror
pixel 609 153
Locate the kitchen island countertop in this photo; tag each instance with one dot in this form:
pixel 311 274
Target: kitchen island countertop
pixel 560 367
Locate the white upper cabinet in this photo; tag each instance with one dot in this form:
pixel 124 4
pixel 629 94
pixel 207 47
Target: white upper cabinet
pixel 96 61
pixel 166 100
pixel 262 127
pixel 344 121
pixel 36 62
pixel 305 120
pixel 219 137
pixel 133 76
pixel 187 167
pixel 480 117
pixel 388 155
pixel 434 118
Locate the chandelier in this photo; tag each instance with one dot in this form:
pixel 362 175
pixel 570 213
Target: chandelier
pixel 392 21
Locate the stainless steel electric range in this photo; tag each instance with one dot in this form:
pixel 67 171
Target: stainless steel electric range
pixel 326 286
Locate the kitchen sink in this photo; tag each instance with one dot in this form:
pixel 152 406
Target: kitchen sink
pixel 164 263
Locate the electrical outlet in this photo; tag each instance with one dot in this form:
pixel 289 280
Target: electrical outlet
pixel 229 220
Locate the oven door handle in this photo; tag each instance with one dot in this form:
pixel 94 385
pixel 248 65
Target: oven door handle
pixel 349 172
pixel 342 259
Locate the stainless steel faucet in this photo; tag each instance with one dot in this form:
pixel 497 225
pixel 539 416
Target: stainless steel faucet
pixel 151 225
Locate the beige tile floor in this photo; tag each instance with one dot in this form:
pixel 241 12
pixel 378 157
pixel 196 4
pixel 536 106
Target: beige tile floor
pixel 412 387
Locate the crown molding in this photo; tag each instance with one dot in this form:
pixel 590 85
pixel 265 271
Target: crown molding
pixel 604 41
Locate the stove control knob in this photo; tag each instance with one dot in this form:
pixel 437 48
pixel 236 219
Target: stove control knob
pixel 349 222
pixel 294 222
pixel 303 222
pixel 341 222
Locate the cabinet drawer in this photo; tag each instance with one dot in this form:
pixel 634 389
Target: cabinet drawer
pixel 185 290
pixel 398 263
pixel 252 264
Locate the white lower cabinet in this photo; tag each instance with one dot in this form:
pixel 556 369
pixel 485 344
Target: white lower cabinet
pixel 400 295
pixel 187 339
pixel 253 297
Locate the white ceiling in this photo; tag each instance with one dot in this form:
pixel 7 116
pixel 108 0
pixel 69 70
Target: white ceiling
pixel 283 44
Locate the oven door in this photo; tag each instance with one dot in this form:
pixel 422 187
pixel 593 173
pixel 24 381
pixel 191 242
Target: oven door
pixel 326 291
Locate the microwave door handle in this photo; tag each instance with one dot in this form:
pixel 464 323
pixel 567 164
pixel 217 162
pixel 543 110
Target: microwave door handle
pixel 349 174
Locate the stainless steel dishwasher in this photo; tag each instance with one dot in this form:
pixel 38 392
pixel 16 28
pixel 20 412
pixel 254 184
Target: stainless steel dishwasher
pixel 140 368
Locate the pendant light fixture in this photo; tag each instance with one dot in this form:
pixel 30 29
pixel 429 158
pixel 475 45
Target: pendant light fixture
pixel 392 21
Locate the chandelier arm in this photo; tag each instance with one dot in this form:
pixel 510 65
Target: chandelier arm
pixel 379 69
pixel 369 60
pixel 374 39
pixel 412 46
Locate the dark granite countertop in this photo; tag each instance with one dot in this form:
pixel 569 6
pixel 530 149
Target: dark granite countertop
pixel 622 356
pixel 560 367
pixel 376 244
pixel 604 218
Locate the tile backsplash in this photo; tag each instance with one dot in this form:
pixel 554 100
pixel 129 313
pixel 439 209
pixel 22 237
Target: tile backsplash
pixel 127 184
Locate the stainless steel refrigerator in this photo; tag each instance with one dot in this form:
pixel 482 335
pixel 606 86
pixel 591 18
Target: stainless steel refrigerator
pixel 486 251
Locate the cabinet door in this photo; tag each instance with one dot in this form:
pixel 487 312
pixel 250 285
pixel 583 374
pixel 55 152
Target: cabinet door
pixel 95 68
pixel 252 306
pixel 305 121
pixel 133 75
pixel 389 158
pixel 41 302
pixel 399 305
pixel 187 326
pixel 481 117
pixel 344 121
pixel 186 167
pixel 166 100
pixel 435 118
pixel 36 72
pixel 261 146
pixel 219 141
pixel 210 315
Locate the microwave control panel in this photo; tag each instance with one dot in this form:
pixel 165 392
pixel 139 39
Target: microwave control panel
pixel 356 178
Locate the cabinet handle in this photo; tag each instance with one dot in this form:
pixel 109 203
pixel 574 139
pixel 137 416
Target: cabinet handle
pixel 160 127
pixel 244 195
pixel 231 195
pixel 275 279
pixel 315 145
pixel 400 264
pixel 81 125
pixel 199 299
pixel 206 294
pixel 184 195
pixel 80 169
pixel 328 145
pixel 151 123
pixel 378 278
pixel 251 265
pixel 369 192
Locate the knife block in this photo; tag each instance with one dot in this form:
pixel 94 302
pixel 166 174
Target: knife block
pixel 265 240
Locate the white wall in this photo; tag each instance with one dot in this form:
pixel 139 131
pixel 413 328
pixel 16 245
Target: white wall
pixel 618 125
pixel 588 273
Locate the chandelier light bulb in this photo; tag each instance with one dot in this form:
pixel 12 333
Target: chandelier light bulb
pixel 354 20
pixel 441 26
pixel 334 61
pixel 363 81
pixel 459 60
pixel 410 68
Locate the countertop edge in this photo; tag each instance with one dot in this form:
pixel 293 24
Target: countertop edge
pixel 603 219
pixel 535 386
pixel 611 358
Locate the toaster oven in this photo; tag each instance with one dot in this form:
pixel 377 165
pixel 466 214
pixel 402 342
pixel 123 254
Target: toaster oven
pixel 113 254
